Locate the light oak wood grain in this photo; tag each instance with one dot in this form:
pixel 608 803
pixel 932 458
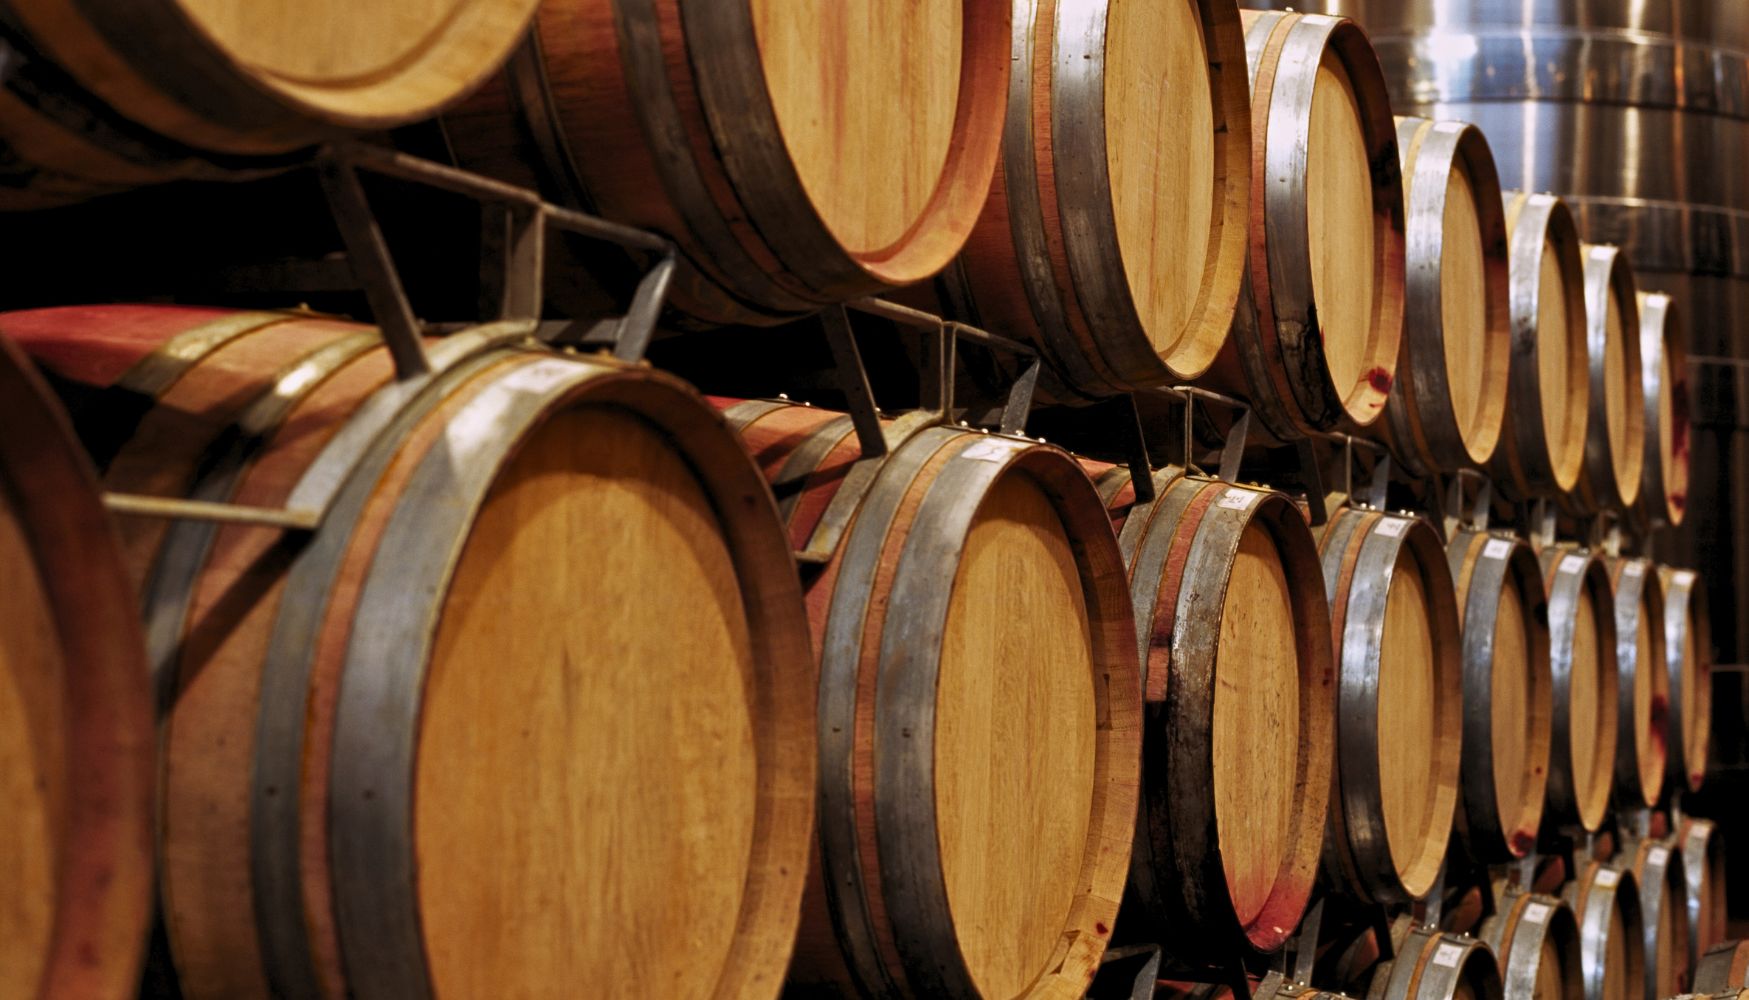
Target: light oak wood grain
pixel 1513 702
pixel 1163 158
pixel 33 766
pixel 1257 690
pixel 555 680
pixel 1561 364
pixel 1475 355
pixel 1339 219
pixel 1014 742
pixel 1414 750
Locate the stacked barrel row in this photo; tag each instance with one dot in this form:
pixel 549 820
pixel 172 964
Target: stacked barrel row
pixel 507 674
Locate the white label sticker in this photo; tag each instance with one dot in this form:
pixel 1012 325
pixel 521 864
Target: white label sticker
pixel 1608 877
pixel 1633 569
pixel 1497 548
pixel 989 450
pixel 1657 855
pixel 1536 913
pixel 1393 527
pixel 1448 955
pixel 1683 578
pixel 1237 499
pixel 1572 564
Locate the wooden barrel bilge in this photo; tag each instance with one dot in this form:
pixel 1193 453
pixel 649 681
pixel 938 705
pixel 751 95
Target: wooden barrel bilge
pixel 1643 734
pixel 1664 364
pixel 1703 864
pixel 1537 942
pixel 395 752
pixel 109 94
pixel 1508 694
pixel 1400 700
pixel 1723 966
pixel 1448 401
pixel 1615 436
pixel 75 718
pixel 1115 234
pixel 1688 642
pixel 1430 965
pixel 1657 865
pixel 1228 843
pixel 1542 449
pixel 977 664
pixel 1612 946
pixel 1582 657
pixel 800 153
pixel 1315 340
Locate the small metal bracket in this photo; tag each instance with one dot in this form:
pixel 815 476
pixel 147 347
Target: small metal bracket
pixel 175 508
pixel 1377 490
pixel 1541 524
pixel 1606 533
pixel 1459 515
pixel 941 357
pixel 515 223
pixel 1129 972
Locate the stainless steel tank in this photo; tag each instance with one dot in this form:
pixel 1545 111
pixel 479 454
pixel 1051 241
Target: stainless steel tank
pixel 1637 112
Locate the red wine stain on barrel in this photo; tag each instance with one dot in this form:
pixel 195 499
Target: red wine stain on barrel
pixel 1521 842
pixel 1679 500
pixel 1380 379
pixel 1100 928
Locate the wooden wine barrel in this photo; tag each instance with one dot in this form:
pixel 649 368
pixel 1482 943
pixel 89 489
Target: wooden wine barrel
pixel 116 94
pixel 1615 438
pixel 1644 731
pixel 800 154
pixel 455 671
pixel 1688 641
pixel 1664 366
pixel 1430 965
pixel 1703 864
pixel 1448 402
pixel 977 664
pixel 1657 866
pixel 1115 234
pixel 1537 942
pixel 1507 680
pixel 75 718
pixel 1542 449
pixel 1612 948
pixel 1228 844
pixel 1723 966
pixel 1582 655
pixel 1399 730
pixel 1732 994
pixel 1315 340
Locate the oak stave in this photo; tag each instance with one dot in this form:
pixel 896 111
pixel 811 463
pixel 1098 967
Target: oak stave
pixel 878 917
pixel 1430 965
pixel 1542 449
pixel 1664 360
pixel 1508 694
pixel 75 718
pixel 1688 642
pixel 124 94
pixel 1307 360
pixel 1203 824
pixel 709 122
pixel 1537 941
pixel 1447 404
pixel 1115 234
pixel 1703 864
pixel 1399 732
pixel 1587 686
pixel 1606 901
pixel 291 837
pixel 1615 436
pixel 1657 866
pixel 1642 745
